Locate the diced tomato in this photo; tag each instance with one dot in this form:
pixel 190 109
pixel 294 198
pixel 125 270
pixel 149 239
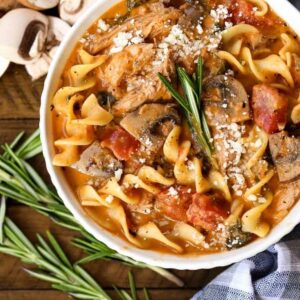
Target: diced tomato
pixel 270 108
pixel 243 12
pixel 120 142
pixel 174 202
pixel 207 211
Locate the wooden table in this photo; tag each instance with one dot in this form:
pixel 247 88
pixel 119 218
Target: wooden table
pixel 19 110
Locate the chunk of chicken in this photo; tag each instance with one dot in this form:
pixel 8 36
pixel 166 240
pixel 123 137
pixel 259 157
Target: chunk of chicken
pixel 131 77
pixel 118 69
pixel 152 26
pixel 285 197
pixel 146 88
pixel 285 152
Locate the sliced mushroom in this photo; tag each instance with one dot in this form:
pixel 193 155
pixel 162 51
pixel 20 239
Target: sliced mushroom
pixel 225 101
pixel 151 123
pixel 23 34
pixel 7 5
pixel 57 30
pixel 39 4
pixel 97 161
pixel 70 10
pixel 4 63
pixel 285 151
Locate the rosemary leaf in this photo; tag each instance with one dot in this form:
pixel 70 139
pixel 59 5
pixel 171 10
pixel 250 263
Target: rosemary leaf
pixel 206 131
pixel 132 286
pixel 2 216
pixel 146 294
pixel 174 93
pixel 199 76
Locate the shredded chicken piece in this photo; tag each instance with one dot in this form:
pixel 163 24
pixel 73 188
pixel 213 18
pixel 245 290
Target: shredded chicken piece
pixel 153 26
pixel 132 78
pixel 146 87
pixel 123 65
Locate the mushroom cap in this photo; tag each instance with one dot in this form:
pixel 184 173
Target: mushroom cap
pixel 4 63
pixel 23 33
pixel 70 10
pixel 225 100
pixel 57 29
pixel 39 4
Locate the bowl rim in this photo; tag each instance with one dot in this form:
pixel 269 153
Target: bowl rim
pixel 182 262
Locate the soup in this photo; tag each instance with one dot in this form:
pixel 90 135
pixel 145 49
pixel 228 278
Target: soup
pixel 176 123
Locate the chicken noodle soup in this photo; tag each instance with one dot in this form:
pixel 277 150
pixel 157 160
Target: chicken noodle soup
pixel 176 123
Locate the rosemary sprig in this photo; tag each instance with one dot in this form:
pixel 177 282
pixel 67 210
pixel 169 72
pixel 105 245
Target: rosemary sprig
pixel 133 295
pixel 51 262
pixel 19 181
pixel 191 103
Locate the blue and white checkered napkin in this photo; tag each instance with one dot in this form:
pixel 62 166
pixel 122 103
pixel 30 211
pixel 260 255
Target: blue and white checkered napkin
pixel 296 3
pixel 272 274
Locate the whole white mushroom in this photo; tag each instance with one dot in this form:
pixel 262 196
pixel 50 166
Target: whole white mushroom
pixel 70 10
pixel 56 32
pixel 4 63
pixel 23 34
pixel 39 4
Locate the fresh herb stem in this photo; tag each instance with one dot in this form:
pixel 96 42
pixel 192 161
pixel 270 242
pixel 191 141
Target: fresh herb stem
pixel 51 262
pixel 19 181
pixel 191 103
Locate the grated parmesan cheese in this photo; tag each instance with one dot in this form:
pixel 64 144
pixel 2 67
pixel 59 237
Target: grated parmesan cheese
pixel 172 191
pixel 118 174
pixel 109 199
pixel 102 26
pixel 124 39
pixel 142 160
pixel 252 197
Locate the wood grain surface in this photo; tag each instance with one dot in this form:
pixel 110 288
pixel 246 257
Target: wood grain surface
pixel 19 110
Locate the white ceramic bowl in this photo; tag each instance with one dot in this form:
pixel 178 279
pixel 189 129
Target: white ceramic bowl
pixel 286 11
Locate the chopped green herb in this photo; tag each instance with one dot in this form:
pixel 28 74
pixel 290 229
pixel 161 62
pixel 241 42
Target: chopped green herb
pixel 237 237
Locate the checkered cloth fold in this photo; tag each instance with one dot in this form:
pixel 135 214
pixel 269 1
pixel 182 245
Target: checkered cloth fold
pixel 272 274
pixel 296 3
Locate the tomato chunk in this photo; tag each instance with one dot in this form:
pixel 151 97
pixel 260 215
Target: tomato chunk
pixel 120 142
pixel 243 12
pixel 207 211
pixel 270 108
pixel 174 202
